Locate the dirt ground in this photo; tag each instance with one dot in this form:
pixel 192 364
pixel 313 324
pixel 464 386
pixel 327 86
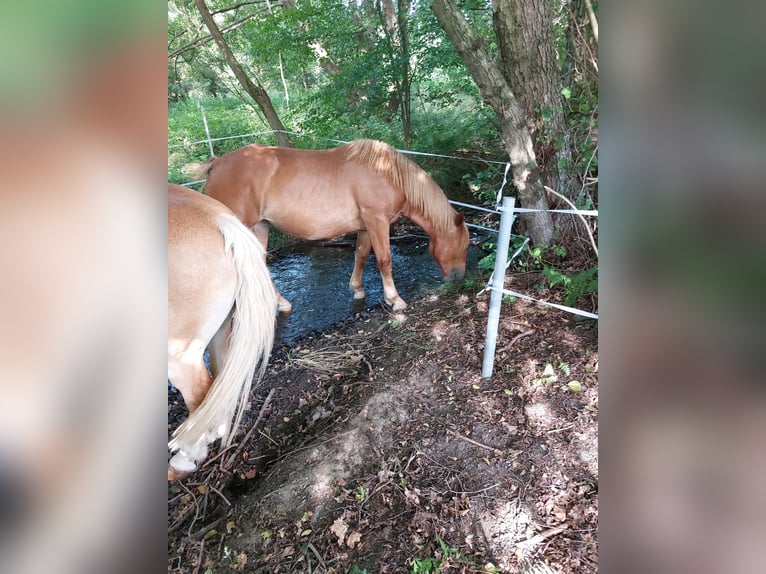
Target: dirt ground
pixel 379 448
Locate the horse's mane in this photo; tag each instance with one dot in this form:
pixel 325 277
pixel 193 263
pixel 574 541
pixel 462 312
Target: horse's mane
pixel 422 193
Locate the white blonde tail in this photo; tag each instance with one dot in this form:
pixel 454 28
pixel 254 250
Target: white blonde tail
pixel 197 170
pixel 250 342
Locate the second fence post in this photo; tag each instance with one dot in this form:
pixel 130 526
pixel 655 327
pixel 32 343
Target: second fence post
pixel 496 287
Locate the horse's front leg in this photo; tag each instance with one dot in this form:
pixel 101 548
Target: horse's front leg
pixel 261 231
pixel 378 231
pixel 363 248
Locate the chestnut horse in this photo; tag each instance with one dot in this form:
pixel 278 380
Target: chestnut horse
pixel 220 297
pixel 362 186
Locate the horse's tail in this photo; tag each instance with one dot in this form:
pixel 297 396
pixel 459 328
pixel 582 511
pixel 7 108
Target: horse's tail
pixel 249 344
pixel 198 170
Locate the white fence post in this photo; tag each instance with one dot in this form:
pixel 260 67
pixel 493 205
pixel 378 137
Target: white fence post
pixel 207 131
pixel 507 216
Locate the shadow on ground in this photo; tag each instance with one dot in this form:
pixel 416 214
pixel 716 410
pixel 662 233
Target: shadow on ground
pixel 382 450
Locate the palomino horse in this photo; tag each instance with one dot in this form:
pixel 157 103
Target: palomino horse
pixel 220 297
pixel 362 186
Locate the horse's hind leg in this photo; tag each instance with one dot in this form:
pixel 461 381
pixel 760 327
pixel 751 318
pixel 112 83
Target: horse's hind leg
pixel 378 231
pixel 219 346
pixel 363 248
pixel 261 231
pixel 189 375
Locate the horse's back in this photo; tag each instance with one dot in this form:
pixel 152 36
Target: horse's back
pixel 312 194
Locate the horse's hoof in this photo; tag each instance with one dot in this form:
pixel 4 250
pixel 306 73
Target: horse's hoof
pixel 284 306
pixel 175 474
pixel 398 304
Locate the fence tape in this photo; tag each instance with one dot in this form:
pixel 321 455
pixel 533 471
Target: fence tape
pixel 556 305
pixel 499 198
pixel 331 140
pixel 476 207
pixel 589 212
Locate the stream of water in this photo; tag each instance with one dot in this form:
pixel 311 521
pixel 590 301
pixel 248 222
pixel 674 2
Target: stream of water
pixel 314 278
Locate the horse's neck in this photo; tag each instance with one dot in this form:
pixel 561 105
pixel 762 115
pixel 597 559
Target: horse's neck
pixel 419 219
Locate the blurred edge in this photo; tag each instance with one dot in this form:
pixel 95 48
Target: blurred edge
pixel 83 132
pixel 683 405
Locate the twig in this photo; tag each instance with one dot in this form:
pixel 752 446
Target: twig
pixel 218 492
pixel 538 538
pixel 181 519
pixel 185 514
pixel 202 532
pixel 565 427
pixel 585 223
pixel 516 338
pixel 473 442
pixel 199 556
pixel 244 441
pixel 482 491
pixel 316 553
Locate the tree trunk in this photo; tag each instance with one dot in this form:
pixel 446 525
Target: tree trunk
pixel 524 32
pixel 403 9
pixel 497 93
pixel 394 20
pixel 254 89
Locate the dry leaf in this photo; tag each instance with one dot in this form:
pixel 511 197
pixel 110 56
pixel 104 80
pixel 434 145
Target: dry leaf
pixel 353 539
pixel 241 562
pixel 339 528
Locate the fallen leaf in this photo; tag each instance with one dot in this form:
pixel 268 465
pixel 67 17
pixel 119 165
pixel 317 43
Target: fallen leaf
pixel 353 539
pixel 339 528
pixel 559 513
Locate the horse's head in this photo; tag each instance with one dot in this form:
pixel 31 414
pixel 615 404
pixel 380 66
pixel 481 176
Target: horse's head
pixel 449 249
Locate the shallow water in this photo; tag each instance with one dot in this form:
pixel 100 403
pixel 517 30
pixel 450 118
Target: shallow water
pixel 314 278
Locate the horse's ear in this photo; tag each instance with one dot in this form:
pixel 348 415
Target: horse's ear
pixel 459 218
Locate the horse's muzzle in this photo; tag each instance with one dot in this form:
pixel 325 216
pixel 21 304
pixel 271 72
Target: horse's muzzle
pixel 455 275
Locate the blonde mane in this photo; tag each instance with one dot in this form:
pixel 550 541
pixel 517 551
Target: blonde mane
pixel 423 194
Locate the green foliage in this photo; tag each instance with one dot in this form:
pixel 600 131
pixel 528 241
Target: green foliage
pixel 575 285
pixel 342 74
pixel 434 565
pixel 424 565
pixel 485 183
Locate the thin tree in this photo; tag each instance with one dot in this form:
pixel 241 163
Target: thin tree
pixel 497 93
pixel 526 45
pixel 253 88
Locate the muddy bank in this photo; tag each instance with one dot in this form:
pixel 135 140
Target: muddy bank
pixel 381 448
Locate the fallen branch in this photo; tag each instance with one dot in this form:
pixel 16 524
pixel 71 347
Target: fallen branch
pixel 516 338
pixel 538 538
pixel 244 441
pixel 475 443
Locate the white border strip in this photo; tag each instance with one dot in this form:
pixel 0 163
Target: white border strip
pixel 556 305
